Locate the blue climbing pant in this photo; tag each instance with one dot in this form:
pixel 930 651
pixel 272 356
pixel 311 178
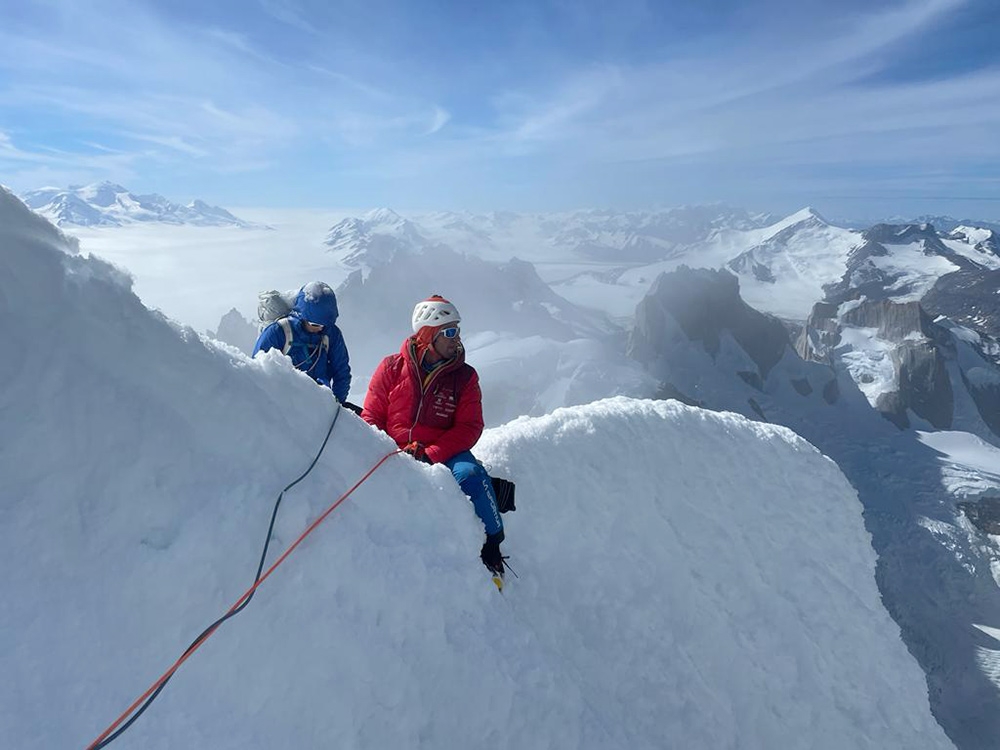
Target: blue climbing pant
pixel 476 483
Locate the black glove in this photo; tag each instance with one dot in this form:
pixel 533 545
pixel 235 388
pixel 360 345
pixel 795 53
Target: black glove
pixel 490 554
pixel 353 407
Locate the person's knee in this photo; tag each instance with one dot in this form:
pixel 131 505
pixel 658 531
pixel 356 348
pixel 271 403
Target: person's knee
pixel 466 469
pixel 462 471
pixel 474 478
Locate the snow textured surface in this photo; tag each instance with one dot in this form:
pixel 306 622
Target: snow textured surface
pixel 969 465
pixel 687 578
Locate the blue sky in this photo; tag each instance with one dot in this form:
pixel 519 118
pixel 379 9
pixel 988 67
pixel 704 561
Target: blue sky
pixel 857 108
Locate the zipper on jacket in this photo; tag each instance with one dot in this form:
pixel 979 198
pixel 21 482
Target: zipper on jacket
pixel 423 390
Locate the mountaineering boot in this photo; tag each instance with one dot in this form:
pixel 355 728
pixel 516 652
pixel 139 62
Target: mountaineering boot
pixel 491 557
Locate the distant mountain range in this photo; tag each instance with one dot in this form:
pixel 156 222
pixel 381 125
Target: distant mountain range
pixel 595 235
pixel 785 265
pixel 945 223
pixel 105 204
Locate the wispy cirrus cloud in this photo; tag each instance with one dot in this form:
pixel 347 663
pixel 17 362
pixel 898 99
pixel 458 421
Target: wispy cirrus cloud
pixel 203 91
pixel 288 12
pixel 38 166
pixel 538 101
pixel 172 142
pixel 751 91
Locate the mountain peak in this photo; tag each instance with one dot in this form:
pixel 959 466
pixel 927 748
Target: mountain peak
pixel 383 216
pixel 107 184
pixel 805 214
pixel 109 204
pixel 100 193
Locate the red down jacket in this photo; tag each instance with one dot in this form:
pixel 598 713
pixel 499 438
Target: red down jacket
pixel 445 414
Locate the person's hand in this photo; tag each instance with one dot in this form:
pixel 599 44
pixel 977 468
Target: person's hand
pixel 416 450
pixel 490 553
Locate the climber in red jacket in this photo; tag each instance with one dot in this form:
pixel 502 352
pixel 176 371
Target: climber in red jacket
pixel 428 400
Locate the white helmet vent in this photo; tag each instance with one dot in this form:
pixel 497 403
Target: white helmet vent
pixel 435 311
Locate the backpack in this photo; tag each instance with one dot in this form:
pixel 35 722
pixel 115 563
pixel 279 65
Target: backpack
pixel 272 306
pixel 504 491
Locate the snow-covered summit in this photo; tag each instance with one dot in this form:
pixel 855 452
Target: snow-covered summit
pixel 374 239
pixel 782 264
pixel 384 217
pixel 109 204
pixel 101 194
pixel 807 214
pixel 980 245
pixel 949 223
pixel 949 274
pixel 797 256
pixel 730 601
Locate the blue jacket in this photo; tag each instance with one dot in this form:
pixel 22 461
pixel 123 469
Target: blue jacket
pixel 324 355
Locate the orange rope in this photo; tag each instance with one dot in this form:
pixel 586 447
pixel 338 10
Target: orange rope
pixel 246 594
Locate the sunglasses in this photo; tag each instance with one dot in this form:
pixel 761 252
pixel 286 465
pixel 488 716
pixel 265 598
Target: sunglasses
pixel 449 333
pixel 314 325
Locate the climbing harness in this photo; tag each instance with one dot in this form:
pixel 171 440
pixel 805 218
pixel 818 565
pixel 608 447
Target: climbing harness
pixel 312 355
pixel 143 701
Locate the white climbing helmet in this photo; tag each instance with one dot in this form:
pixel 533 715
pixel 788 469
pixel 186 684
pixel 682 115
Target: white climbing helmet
pixel 434 311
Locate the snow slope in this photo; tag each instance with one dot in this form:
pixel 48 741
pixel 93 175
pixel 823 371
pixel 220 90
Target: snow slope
pixel 969 466
pixel 687 578
pixel 938 575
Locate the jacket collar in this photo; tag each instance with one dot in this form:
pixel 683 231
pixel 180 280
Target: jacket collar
pixel 413 353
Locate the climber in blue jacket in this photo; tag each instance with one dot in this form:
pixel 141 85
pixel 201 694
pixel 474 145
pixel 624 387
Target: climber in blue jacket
pixel 310 337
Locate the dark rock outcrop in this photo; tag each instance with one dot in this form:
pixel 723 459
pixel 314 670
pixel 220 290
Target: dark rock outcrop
pixel 901 234
pixel 864 278
pixel 970 297
pixel 236 331
pixel 747 263
pixel 891 406
pixel 831 391
pixel 984 514
pixel 820 335
pixel 757 410
pixel 704 303
pixel 924 385
pixel 894 320
pixel 669 390
pixel 802 386
pixel 984 387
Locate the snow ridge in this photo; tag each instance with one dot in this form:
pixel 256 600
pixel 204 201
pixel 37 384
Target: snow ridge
pixel 109 204
pixel 718 609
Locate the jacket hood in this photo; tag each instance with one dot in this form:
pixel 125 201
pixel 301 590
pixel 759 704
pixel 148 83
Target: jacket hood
pixel 316 303
pixel 413 349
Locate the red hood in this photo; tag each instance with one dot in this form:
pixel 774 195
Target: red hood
pixel 414 348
